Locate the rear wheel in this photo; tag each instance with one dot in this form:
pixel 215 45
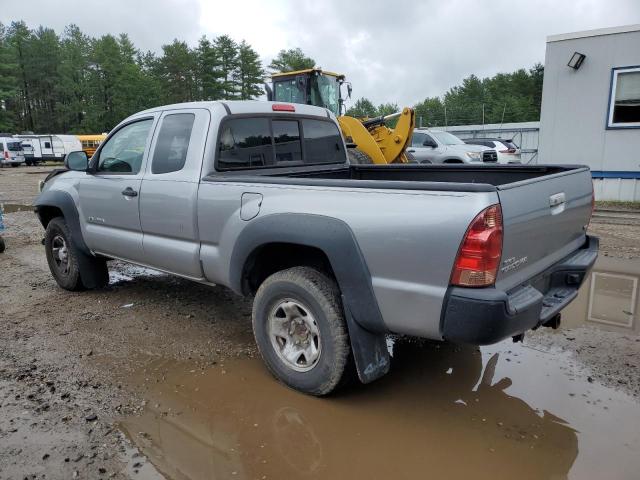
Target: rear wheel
pixel 358 157
pixel 2 245
pixel 300 330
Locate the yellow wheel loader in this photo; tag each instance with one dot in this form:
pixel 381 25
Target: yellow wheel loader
pixel 372 141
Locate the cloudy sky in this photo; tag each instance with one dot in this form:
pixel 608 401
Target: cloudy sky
pixel 397 50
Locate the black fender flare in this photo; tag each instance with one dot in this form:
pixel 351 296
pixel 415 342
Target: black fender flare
pixel 91 278
pixel 337 241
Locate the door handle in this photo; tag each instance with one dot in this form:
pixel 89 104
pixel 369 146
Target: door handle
pixel 411 151
pixel 129 192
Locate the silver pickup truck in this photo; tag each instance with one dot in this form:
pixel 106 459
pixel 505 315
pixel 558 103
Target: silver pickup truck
pixel 259 197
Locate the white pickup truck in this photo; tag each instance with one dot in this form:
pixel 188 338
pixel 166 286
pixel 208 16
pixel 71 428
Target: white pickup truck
pixel 259 197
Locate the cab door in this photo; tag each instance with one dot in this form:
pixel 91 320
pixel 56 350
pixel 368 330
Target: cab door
pixel 422 152
pixel 169 192
pixel 110 194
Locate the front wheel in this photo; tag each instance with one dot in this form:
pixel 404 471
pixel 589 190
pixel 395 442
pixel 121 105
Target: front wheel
pixel 300 330
pixel 63 259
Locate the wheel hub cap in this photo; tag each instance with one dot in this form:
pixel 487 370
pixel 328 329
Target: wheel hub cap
pixel 60 253
pixel 294 335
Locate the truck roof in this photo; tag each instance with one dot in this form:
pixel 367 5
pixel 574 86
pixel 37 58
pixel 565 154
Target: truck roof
pixel 245 106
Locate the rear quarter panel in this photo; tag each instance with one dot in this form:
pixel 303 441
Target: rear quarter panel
pixel 408 238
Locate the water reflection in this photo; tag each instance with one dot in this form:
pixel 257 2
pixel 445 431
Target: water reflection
pixel 440 414
pixel 609 298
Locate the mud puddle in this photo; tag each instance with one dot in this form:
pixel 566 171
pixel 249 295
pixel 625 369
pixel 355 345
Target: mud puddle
pixel 506 411
pixel 15 207
pixel 610 299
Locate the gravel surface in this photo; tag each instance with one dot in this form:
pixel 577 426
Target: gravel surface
pixel 64 357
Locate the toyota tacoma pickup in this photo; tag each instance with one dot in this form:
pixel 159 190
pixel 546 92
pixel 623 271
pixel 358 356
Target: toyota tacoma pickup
pixel 260 197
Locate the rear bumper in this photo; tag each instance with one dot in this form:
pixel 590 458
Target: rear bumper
pixel 487 315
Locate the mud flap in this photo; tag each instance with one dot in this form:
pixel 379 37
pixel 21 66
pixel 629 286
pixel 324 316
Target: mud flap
pixel 369 349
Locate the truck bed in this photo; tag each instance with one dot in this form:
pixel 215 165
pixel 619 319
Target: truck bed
pixel 545 208
pixel 403 177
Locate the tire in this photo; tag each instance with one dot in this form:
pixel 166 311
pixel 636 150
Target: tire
pixel 305 299
pixel 62 257
pixel 358 157
pixel 410 157
pixel 3 246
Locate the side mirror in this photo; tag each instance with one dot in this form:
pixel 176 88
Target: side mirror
pixel 430 143
pixel 77 161
pixel 269 91
pixel 349 90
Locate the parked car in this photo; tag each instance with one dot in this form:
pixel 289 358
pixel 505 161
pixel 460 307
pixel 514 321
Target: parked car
pixel 260 197
pixel 11 152
pixel 508 152
pixel 438 146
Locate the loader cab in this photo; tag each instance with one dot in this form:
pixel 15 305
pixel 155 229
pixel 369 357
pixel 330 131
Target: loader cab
pixel 310 87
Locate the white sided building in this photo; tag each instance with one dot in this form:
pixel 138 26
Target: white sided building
pixel 591 107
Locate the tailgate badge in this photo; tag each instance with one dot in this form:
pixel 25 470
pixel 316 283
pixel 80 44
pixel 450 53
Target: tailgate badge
pixel 512 263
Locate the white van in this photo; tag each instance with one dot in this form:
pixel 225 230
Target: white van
pixel 11 151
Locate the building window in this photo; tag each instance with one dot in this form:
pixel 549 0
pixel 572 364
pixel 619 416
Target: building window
pixel 624 106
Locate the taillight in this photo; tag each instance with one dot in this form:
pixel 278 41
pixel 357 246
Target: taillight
pixel 6 155
pixel 479 255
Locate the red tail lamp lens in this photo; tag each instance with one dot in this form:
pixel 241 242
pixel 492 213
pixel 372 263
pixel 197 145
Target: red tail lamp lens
pixel 479 255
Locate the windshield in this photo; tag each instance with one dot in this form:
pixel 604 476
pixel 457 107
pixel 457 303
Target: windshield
pixel 447 138
pixel 288 91
pixel 325 92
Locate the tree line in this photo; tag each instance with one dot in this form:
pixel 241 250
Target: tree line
pixel 75 83
pixel 503 98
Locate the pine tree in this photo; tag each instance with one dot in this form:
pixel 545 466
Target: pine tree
pixel 177 70
pixel 208 71
pixel 8 86
pixel 249 75
pixel 227 52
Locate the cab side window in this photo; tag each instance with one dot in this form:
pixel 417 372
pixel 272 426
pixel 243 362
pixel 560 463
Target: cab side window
pixel 418 139
pixel 124 151
pixel 172 145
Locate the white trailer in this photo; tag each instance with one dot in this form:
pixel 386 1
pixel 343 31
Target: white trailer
pixel 50 147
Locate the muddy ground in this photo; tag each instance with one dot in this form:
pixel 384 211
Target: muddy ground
pixel 156 376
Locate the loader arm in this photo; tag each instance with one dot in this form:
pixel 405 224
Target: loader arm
pixel 381 143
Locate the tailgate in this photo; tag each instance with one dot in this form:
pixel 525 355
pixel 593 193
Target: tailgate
pixel 544 220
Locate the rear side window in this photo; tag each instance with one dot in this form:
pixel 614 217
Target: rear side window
pixel 172 145
pixel 245 143
pixel 286 135
pixel 322 142
pixel 273 142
